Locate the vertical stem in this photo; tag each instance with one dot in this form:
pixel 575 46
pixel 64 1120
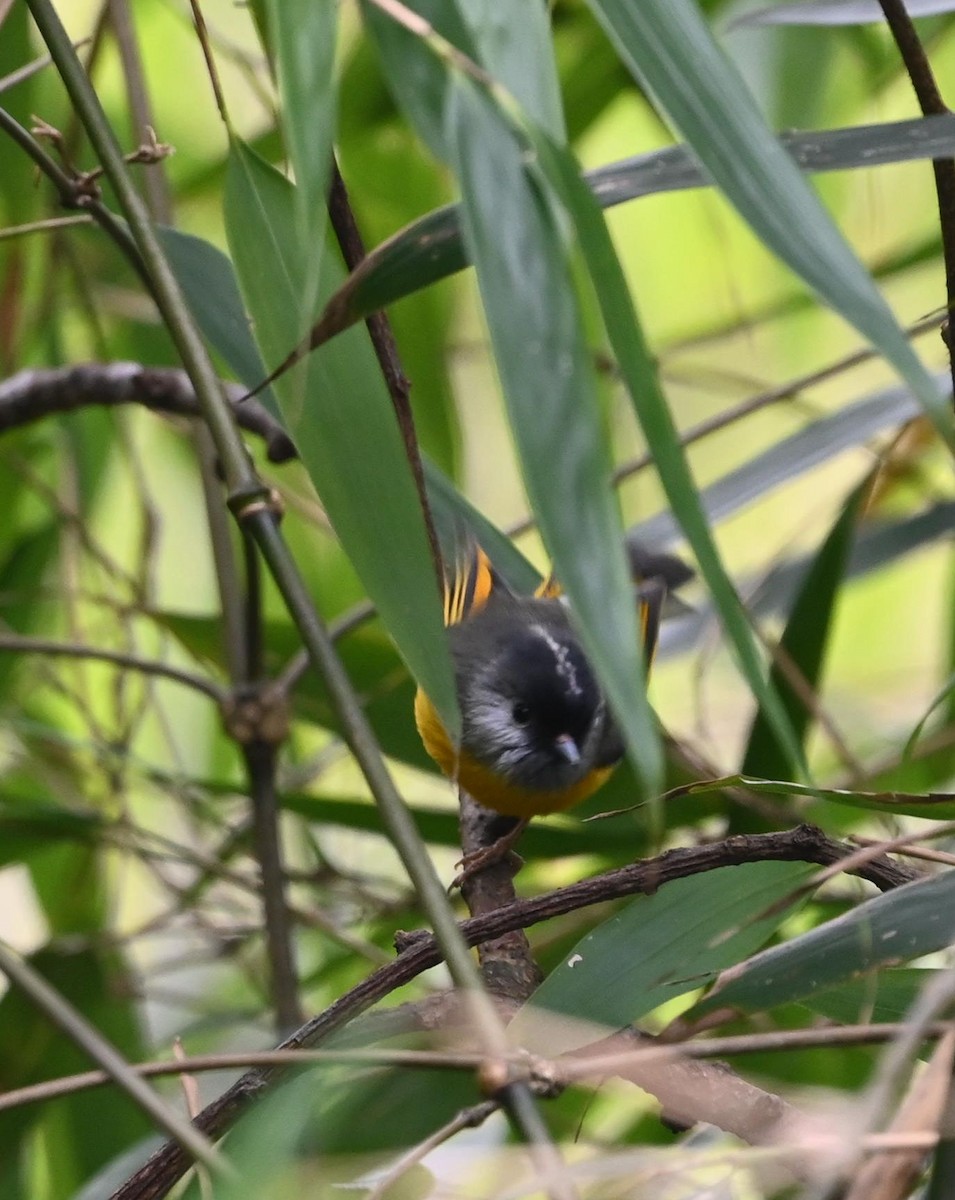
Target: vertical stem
pixel 259 757
pixel 930 101
pixel 223 558
pixel 155 184
pixel 383 339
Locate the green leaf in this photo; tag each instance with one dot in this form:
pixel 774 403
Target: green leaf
pixel 942 1183
pixel 338 410
pixel 431 248
pixel 885 996
pixel 209 284
pixel 903 924
pixel 670 49
pixel 804 643
pixel 939 806
pixel 639 372
pixel 22 571
pixel 515 47
pixel 303 34
pixel 18 192
pixel 28 826
pixel 658 947
pixel 837 12
pixel 418 78
pixel 548 381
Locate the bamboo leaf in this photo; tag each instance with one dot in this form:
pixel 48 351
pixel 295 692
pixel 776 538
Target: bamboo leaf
pixel 886 996
pixel 338 411
pixel 804 643
pixel 837 12
pixel 653 412
pixel 417 78
pixel 513 42
pixel 658 947
pixel 304 34
pixel 669 47
pixel 208 281
pixel 430 248
pixel 900 925
pixel 549 385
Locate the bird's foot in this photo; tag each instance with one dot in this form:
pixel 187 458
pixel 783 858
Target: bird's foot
pixel 488 856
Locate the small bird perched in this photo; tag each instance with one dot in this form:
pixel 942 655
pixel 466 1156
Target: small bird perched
pixel 537 735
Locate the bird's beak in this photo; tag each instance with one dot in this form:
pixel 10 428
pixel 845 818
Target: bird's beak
pixel 567 748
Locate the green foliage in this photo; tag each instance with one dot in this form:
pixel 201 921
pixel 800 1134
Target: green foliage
pixel 605 274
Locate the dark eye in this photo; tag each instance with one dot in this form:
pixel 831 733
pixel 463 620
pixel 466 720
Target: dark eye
pixel 521 713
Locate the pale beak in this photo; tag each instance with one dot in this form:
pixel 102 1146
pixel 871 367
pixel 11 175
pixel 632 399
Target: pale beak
pixel 567 748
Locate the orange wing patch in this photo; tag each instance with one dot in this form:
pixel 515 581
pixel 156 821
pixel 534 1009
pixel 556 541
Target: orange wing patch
pixel 471 587
pixel 549 588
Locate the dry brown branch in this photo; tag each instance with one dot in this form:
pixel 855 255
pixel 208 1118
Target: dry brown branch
pixel 33 394
pixel 420 951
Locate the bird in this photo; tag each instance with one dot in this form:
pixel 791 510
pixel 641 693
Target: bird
pixel 537 735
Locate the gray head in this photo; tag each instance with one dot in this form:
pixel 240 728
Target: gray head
pixel 533 711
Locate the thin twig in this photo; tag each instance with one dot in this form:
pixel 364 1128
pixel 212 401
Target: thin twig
pixel 202 33
pixel 47 225
pixel 15 643
pixel 922 852
pixel 386 351
pixel 467 1118
pixel 155 184
pixel 931 103
pixel 587 1063
pixel 74 195
pixel 28 70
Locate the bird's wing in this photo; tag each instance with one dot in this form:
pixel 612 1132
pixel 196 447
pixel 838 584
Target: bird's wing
pixel 471 584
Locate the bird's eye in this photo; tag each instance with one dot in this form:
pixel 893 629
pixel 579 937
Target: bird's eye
pixel 521 713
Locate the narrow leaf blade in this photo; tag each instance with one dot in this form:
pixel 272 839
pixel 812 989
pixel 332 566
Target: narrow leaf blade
pixel 669 47
pixel 338 411
pixel 550 391
pixel 661 946
pixel 804 643
pixel 904 924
